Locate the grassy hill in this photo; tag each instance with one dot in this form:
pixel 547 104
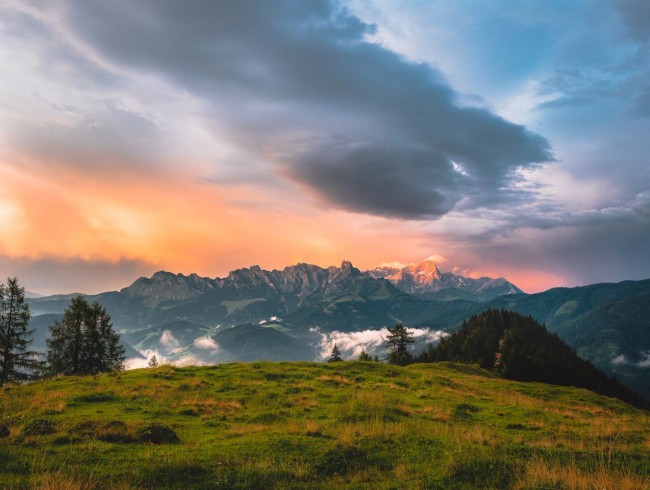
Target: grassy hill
pixel 309 425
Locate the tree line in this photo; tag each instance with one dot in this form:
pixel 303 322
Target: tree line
pixel 521 349
pixel 83 342
pixel 397 342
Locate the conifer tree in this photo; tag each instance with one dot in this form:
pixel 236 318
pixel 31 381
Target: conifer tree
pixel 398 341
pixel 364 356
pixel 335 355
pixel 16 361
pixel 84 341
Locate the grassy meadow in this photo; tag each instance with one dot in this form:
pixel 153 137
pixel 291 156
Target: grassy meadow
pixel 310 425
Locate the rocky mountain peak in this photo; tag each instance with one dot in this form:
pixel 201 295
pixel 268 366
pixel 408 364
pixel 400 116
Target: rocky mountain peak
pixel 161 276
pixel 347 270
pixel 426 278
pixel 163 286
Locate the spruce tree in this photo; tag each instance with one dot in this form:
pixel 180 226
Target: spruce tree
pixel 335 355
pixel 398 341
pixel 364 356
pixel 17 362
pixel 84 341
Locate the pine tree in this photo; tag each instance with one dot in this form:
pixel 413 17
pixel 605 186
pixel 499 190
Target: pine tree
pixel 84 342
pixel 364 356
pixel 335 355
pixel 16 361
pixel 153 362
pixel 397 341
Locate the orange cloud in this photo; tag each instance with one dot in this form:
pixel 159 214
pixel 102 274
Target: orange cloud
pixel 178 223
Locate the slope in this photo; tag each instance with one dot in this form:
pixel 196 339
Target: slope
pixel 307 425
pixel 522 349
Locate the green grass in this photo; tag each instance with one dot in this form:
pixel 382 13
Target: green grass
pixel 310 425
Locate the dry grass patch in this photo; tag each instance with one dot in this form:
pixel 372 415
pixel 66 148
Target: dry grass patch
pixel 313 429
pixel 347 434
pixel 49 402
pixel 542 474
pixel 401 471
pixel 478 435
pixel 328 378
pixel 211 406
pixel 439 414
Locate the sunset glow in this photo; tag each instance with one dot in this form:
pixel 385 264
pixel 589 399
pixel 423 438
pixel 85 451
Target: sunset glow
pixel 363 130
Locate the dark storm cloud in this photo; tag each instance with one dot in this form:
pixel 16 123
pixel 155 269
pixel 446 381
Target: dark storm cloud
pixel 353 122
pixel 609 252
pixel 401 182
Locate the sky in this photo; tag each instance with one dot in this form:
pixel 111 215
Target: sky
pixel 510 138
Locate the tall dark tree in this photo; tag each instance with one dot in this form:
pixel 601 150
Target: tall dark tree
pixel 397 342
pixel 335 355
pixel 84 341
pixel 17 362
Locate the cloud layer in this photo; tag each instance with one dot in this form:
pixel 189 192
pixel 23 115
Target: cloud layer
pixel 308 97
pixel 351 344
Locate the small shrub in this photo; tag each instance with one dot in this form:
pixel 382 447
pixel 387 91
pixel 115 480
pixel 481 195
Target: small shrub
pixel 188 412
pixel 158 434
pixel 4 431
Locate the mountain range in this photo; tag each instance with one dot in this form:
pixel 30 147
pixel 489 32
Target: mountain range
pixel 425 279
pixel 297 313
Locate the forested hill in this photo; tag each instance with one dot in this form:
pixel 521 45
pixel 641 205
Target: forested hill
pixel 522 349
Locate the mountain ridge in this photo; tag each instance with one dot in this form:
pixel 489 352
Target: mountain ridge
pixel 310 299
pixel 425 279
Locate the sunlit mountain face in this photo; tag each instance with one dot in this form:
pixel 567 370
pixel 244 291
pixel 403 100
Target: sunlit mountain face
pixel 424 278
pixel 209 136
